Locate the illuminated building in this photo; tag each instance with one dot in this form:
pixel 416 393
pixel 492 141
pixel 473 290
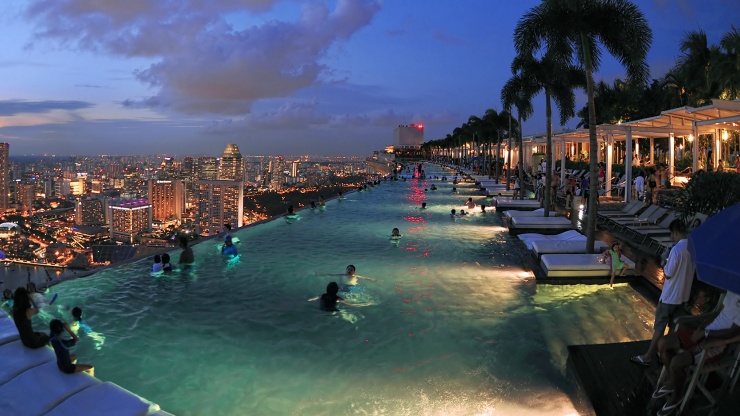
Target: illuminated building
pixel 207 168
pixel 129 218
pixel 408 136
pixel 167 199
pixel 218 203
pixel 90 211
pixel 4 176
pixel 231 164
pixel 26 196
pixel 167 169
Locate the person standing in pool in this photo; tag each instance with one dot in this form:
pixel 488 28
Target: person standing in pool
pixel 470 204
pixel 351 280
pixel 157 266
pixel 229 249
pixel 166 266
pixel 186 257
pixel 322 202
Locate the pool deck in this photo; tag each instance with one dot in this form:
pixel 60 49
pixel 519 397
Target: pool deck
pixel 612 385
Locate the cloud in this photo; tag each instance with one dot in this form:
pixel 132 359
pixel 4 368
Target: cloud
pixel 14 107
pixel 88 86
pixel 205 65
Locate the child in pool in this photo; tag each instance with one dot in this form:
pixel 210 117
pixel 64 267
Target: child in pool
pixel 166 266
pixel 328 301
pixel 482 209
pixel 614 257
pixel 351 280
pixel 470 204
pixel 423 205
pixel 7 300
pixel 396 233
pixel 229 249
pixel 453 213
pixel 61 346
pixel 157 266
pixel 78 325
pixel 37 299
pixel 462 212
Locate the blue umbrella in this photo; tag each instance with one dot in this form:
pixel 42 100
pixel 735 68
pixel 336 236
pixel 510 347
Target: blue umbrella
pixel 713 247
pixel 2 254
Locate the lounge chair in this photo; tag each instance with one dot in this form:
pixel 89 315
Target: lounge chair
pixel 727 366
pixel 650 216
pixel 624 209
pixel 633 210
pixel 647 231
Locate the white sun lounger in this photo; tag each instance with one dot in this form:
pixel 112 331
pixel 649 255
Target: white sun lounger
pixel 580 265
pixel 540 247
pixel 509 203
pixel 8 331
pixel 573 235
pixel 51 385
pixel 17 358
pixel 539 223
pixel 103 399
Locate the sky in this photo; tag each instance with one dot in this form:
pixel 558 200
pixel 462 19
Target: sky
pixel 322 77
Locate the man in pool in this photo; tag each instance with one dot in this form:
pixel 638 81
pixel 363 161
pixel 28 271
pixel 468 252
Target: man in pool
pixel 351 280
pixel 186 257
pixel 470 204
pixel 229 249
pixel 423 205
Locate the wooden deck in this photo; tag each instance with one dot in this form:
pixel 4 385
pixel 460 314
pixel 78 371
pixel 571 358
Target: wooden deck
pixel 615 387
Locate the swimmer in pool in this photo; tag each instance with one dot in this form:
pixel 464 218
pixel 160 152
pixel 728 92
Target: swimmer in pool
pixel 470 204
pixel 433 187
pixel 328 301
pixel 454 190
pixel 423 205
pixel 229 249
pixel 38 300
pixel 482 209
pixel 157 266
pixel 81 327
pixel 351 279
pixel 313 205
pixel 396 233
pixel 166 266
pixel 462 212
pixel 453 213
pixel 322 203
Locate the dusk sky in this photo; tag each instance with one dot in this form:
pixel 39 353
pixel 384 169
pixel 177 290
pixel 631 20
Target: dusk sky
pixel 186 77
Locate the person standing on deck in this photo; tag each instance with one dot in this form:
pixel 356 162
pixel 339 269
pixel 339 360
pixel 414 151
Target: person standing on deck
pixel 679 274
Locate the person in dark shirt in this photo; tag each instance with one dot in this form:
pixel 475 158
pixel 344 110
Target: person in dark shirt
pixel 22 314
pixel 186 257
pixel 328 301
pixel 65 360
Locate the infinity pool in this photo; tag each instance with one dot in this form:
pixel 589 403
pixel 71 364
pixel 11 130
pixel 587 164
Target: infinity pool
pixel 456 327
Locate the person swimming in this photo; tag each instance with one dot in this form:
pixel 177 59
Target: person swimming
pixel 81 327
pixel 470 204
pixel 453 213
pixel 322 203
pixel 396 233
pixel 166 266
pixel 38 300
pixel 351 280
pixel 423 205
pixel 313 205
pixel 433 187
pixel 229 249
pixel 454 190
pixel 329 300
pixel 462 212
pixel 157 266
pixel 482 209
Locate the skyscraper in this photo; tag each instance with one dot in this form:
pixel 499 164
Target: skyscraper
pixel 4 176
pixel 231 166
pixel 218 203
pixel 207 168
pixel 129 218
pixel 167 199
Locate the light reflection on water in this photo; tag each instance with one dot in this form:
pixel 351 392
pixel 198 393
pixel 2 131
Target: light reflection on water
pixel 456 326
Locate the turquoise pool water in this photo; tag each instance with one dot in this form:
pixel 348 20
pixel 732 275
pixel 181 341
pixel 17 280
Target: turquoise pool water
pixel 456 326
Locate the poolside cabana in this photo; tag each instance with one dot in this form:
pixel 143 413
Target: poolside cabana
pixel 687 122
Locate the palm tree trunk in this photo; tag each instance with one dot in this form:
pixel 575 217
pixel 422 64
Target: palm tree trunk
pixel 508 157
pixel 548 154
pixel 592 151
pixel 498 152
pixel 521 159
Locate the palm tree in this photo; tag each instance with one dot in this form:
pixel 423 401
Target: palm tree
pixel 727 71
pixel 578 27
pixel 518 92
pixel 556 78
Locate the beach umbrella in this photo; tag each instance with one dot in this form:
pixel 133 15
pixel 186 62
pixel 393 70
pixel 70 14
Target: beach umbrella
pixel 713 248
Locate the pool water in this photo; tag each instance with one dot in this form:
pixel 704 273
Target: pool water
pixel 456 327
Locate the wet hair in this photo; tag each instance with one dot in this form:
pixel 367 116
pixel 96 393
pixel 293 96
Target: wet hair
pixel 332 288
pixel 396 229
pixel 228 238
pixel 423 204
pixel 482 207
pixel 31 287
pixel 227 226
pixel 352 266
pixel 677 226
pixel 21 302
pixel 165 258
pixel 157 258
pixel 56 327
pixel 452 211
pixel 470 199
pixel 184 241
pixel 291 209
pixel 8 294
pixel 77 312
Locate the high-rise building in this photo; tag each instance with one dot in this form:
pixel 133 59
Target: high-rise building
pixel 218 203
pixel 207 168
pixel 128 218
pixel 167 199
pixel 26 196
pixel 231 165
pixel 90 211
pixel 4 176
pixel 187 170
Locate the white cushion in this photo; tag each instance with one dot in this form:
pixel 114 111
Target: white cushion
pixel 564 246
pixel 577 265
pixel 18 358
pixel 102 399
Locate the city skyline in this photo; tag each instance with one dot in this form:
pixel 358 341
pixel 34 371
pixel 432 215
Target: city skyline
pixel 326 78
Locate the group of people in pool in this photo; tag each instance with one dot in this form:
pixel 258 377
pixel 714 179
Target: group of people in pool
pixel 24 304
